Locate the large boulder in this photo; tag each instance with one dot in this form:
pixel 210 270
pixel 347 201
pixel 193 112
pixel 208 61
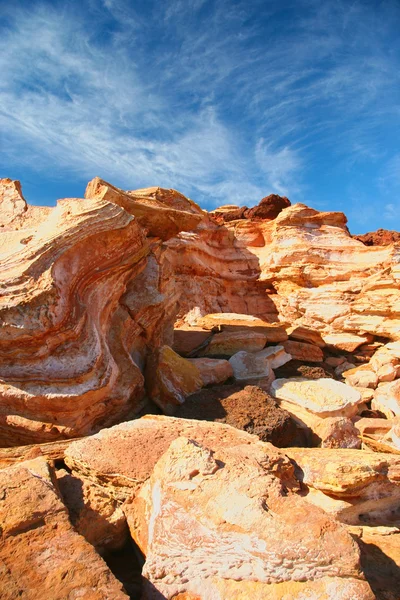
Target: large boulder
pixel 41 555
pixel 267 543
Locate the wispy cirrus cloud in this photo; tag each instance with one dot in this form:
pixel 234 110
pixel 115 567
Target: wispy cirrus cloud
pixel 225 101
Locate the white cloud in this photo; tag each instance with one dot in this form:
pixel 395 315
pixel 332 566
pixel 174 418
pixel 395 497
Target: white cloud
pixel 281 166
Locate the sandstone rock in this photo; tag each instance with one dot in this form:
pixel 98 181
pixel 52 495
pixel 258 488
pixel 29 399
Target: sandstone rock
pixel 303 334
pixel 395 435
pixel 212 370
pixel 65 344
pixel 303 351
pixel 337 432
pixel 94 513
pixel 171 378
pixel 158 217
pixel 258 365
pixel 12 202
pixel 230 212
pixel 343 367
pixel 335 361
pixel 249 409
pixel 198 543
pixel 358 487
pixel 348 342
pixel 15 454
pixel 380 558
pixel 228 343
pixel 325 397
pixel 233 322
pixel 189 339
pixel 382 357
pixel 363 376
pixel 41 555
pixel 387 399
pixel 120 459
pixel 387 373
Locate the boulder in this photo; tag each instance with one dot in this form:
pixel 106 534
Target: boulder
pixel 171 378
pixel 212 370
pixel 358 487
pixel 41 554
pixel 250 409
pixel 228 343
pixel 303 351
pixel 189 339
pixel 304 334
pixel 233 322
pixel 258 365
pixel 324 397
pixel 268 543
pixel 387 399
pixel 337 432
pixel 268 208
pixel 95 514
pixel 363 376
pixel 348 342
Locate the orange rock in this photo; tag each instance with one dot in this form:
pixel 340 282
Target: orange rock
pixel 189 339
pixel 95 514
pixel 233 322
pixel 228 343
pixel 41 555
pixel 348 342
pixel 304 351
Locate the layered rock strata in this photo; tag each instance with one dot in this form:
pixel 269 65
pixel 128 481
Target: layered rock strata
pixel 81 306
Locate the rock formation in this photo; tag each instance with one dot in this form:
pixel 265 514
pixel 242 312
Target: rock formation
pixel 132 302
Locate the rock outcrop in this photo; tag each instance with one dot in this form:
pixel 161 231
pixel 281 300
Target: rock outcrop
pixel 80 308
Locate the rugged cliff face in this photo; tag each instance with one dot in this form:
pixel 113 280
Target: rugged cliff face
pixel 93 285
pixel 81 305
pixel 302 268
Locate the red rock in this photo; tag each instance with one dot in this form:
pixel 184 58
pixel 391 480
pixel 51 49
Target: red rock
pixel 268 208
pixel 380 237
pixel 41 555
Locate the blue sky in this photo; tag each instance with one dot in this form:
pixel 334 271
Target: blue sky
pixel 224 100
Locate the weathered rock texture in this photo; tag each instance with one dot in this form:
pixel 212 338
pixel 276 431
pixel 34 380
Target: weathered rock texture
pixel 205 530
pixel 216 511
pixel 81 306
pixel 41 555
pixel 302 267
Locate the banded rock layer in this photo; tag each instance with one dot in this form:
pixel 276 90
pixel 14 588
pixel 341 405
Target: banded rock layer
pixel 81 305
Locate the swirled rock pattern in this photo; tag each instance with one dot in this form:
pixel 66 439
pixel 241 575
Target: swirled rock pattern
pixel 80 306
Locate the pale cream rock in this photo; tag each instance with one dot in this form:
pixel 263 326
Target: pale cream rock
pixel 395 435
pixel 357 486
pixel 228 343
pixel 212 370
pixel 382 358
pixel 325 397
pixel 247 365
pixel 387 372
pixel 363 376
pixel 223 522
pixel 387 398
pixel 348 342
